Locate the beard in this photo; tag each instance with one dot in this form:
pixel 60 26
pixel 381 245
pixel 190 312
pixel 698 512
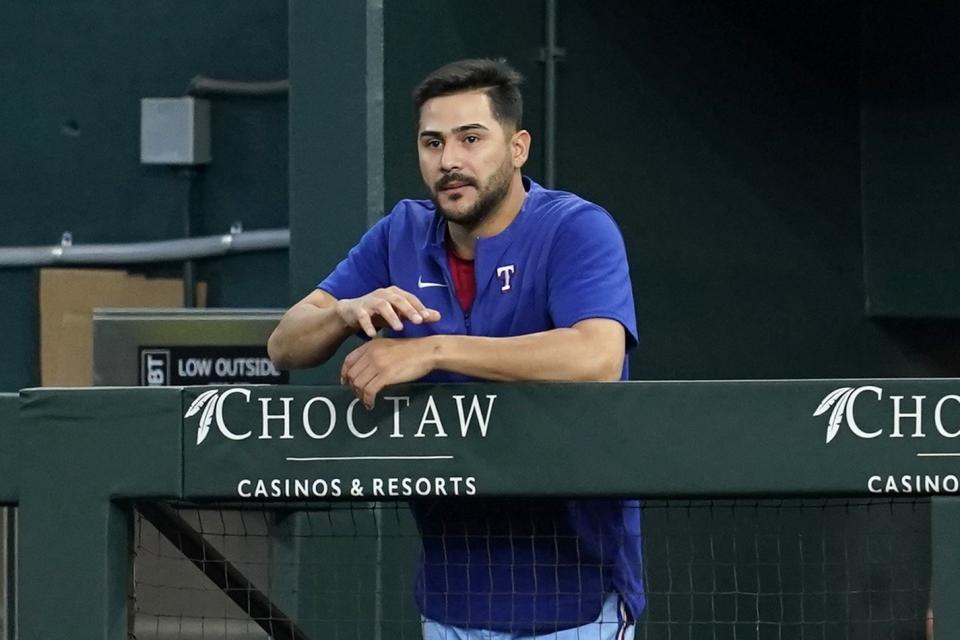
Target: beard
pixel 489 196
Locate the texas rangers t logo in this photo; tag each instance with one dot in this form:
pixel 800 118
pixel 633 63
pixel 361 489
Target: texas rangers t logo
pixel 504 274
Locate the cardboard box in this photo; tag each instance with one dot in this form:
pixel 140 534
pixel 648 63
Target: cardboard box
pixel 67 300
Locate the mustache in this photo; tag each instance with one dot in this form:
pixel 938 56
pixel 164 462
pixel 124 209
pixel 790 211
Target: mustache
pixel 450 178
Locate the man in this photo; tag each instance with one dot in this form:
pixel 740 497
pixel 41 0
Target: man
pixel 493 278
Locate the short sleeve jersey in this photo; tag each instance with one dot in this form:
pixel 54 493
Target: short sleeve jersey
pixel 560 261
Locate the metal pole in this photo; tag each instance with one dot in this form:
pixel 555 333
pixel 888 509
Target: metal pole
pixel 190 174
pixel 376 187
pixel 551 53
pixel 375 112
pixel 204 86
pixel 145 252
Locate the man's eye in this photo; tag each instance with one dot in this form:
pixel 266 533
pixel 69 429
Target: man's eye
pixel 434 144
pixel 472 139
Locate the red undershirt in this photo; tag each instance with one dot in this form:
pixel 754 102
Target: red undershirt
pixel 464 281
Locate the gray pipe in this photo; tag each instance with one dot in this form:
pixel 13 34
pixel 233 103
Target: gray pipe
pixel 143 252
pixel 204 86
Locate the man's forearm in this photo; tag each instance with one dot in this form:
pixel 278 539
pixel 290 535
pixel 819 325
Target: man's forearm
pixel 591 350
pixel 312 330
pixel 307 336
pixel 582 353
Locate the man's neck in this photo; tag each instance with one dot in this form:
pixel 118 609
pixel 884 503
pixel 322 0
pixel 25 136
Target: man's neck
pixel 464 239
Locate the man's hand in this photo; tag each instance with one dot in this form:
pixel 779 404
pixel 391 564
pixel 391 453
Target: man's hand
pixel 384 307
pixel 378 363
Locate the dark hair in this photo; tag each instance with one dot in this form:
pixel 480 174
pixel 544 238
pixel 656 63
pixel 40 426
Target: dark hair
pixel 500 81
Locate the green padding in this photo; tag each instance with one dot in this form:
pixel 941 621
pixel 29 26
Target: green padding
pixel 116 442
pixel 9 447
pixel 84 452
pixel 640 438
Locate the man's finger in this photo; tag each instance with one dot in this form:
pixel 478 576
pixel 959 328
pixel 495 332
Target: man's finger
pixel 361 381
pixel 415 302
pixel 371 389
pixel 354 355
pixel 406 309
pixel 353 364
pixel 426 313
pixel 363 319
pixel 386 311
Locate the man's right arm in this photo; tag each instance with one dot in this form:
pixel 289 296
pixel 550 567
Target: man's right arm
pixel 312 330
pixel 309 333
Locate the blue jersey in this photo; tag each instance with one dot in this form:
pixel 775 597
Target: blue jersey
pixel 513 565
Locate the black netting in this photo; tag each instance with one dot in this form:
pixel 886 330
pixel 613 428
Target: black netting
pixel 713 569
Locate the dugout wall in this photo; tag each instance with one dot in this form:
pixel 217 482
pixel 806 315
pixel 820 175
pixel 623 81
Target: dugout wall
pixel 84 457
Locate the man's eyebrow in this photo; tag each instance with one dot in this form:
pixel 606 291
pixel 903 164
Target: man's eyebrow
pixel 460 129
pixel 468 127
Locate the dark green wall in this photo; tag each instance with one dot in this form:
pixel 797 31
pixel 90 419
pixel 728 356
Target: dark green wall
pixel 421 35
pixel 74 73
pixel 726 140
pixel 729 140
pixel 911 112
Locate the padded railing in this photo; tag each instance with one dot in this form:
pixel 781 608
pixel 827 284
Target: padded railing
pixel 74 461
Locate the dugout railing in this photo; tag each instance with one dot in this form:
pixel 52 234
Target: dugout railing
pixel 74 463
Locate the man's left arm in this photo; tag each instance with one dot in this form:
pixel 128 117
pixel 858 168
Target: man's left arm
pixel 590 350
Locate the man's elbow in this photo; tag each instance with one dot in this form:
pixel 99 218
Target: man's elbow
pixel 288 350
pixel 599 366
pixel 601 345
pixel 275 349
pixel 284 350
pixel 608 367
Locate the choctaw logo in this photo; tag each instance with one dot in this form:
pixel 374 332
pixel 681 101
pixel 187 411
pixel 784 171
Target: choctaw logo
pixel 906 410
pixel 839 399
pixel 210 402
pixel 318 417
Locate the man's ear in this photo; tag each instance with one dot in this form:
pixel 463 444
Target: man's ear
pixel 520 147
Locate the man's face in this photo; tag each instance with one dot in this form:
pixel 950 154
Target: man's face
pixel 465 157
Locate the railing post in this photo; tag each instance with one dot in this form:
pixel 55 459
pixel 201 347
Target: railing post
pixel 83 453
pixel 945 569
pixel 9 490
pixel 73 567
pixel 9 448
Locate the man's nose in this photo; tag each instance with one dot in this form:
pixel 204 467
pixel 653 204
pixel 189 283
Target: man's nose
pixel 450 158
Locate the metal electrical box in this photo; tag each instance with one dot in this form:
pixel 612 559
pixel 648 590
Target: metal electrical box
pixel 174 131
pixel 157 347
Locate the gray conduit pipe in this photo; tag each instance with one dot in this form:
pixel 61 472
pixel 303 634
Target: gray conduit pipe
pixel 204 86
pixel 144 252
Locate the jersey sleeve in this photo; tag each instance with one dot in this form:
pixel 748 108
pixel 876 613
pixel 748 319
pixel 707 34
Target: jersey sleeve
pixel 366 266
pixel 588 274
